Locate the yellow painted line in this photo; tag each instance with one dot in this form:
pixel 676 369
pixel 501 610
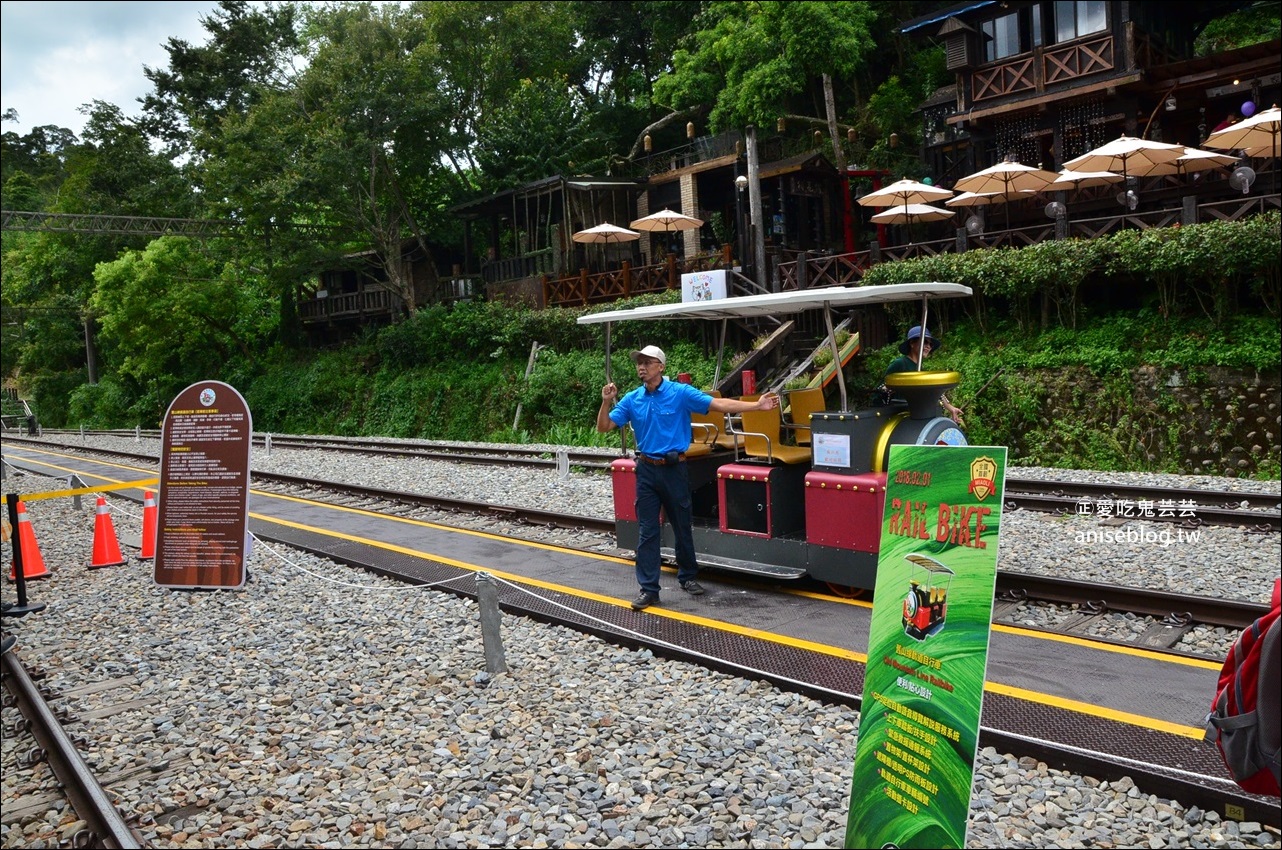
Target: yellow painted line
pixel 1135 651
pixel 1092 710
pixel 533 544
pixel 560 588
pixel 82 491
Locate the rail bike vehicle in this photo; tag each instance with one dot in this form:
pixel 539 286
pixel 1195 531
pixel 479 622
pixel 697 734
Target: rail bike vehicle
pixel 782 511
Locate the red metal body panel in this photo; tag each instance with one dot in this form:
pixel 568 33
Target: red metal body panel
pixel 745 498
pixel 845 511
pixel 623 474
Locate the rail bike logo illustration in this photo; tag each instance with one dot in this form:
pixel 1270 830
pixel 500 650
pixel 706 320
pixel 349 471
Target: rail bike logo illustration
pixel 926 604
pixel 208 396
pixel 983 471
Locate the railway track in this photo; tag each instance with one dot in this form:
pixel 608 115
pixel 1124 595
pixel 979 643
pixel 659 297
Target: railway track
pixel 1013 589
pixel 1110 504
pixel 1173 615
pixel 104 826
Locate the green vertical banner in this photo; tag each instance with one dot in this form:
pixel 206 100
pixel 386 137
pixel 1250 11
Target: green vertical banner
pixel 927 647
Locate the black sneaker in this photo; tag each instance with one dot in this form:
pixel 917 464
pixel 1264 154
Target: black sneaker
pixel 645 600
pixel 692 587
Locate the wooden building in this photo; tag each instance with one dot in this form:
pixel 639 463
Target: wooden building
pixel 1043 82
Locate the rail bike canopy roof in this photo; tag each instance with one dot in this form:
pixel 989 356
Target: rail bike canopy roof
pixel 775 303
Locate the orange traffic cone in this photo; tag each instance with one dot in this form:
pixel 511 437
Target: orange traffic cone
pixel 149 514
pixel 33 563
pixel 106 548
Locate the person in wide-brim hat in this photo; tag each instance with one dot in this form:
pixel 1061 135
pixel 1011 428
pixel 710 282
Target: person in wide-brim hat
pixel 914 334
pixel 917 345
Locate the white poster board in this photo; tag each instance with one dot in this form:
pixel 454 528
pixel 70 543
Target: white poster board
pixel 703 286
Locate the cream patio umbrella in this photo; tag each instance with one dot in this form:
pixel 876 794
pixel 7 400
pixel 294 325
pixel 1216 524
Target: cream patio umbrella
pixel 667 221
pixel 902 194
pixel 1006 178
pixel 912 213
pixel 1254 136
pixel 605 235
pixel 1069 179
pixel 1196 159
pixel 974 224
pixel 1127 154
pixel 1258 131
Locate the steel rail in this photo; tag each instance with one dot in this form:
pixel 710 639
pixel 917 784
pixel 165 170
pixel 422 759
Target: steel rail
pixel 87 796
pixel 1136 492
pixel 1227 613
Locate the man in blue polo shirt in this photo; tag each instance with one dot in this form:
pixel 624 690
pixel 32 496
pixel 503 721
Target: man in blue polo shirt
pixel 659 413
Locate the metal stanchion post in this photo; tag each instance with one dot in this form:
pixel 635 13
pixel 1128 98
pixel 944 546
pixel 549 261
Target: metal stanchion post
pixel 22 607
pixel 487 598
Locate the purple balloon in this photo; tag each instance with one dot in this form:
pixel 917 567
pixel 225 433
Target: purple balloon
pixel 1248 109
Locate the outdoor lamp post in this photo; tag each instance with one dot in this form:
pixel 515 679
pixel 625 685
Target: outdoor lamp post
pixel 740 185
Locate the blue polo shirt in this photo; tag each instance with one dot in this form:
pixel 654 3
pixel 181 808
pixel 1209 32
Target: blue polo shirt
pixel 661 419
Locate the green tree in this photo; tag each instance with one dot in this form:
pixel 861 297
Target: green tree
pixel 754 62
pixel 171 314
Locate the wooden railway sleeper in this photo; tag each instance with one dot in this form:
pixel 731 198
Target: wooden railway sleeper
pixel 1168 632
pixel 1087 613
pixel 1007 601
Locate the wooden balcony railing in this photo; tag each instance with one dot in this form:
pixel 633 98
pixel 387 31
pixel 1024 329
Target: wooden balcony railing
pixel 842 269
pixel 1045 66
pixel 627 281
pixel 1090 56
pixel 827 270
pixel 372 301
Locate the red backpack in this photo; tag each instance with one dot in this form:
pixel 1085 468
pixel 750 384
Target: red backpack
pixel 1244 720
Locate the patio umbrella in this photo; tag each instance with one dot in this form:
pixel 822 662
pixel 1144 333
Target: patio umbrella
pixel 1008 179
pixel 975 199
pixel 1195 159
pixel 1131 156
pixel 912 212
pixel 903 193
pixel 667 221
pixel 605 235
pixel 1069 179
pixel 1262 150
pixel 1254 136
pixel 1260 130
pixel 975 225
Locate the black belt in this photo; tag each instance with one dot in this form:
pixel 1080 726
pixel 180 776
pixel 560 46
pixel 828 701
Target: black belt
pixel 659 461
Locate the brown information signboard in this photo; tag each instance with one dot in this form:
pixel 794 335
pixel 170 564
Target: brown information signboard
pixel 204 488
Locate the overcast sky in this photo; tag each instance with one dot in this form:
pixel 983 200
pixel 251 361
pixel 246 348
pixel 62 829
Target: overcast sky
pixel 58 56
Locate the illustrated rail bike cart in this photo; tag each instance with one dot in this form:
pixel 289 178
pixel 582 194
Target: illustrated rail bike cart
pixel 926 605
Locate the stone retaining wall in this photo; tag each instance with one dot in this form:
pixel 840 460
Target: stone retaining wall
pixel 1211 421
